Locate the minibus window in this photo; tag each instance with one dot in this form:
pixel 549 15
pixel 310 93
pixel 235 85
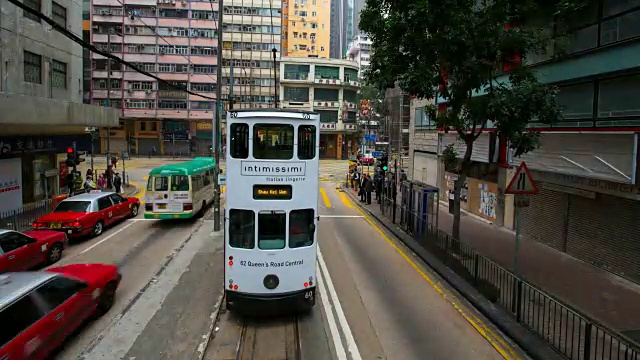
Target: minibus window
pixel 179 183
pixel 161 183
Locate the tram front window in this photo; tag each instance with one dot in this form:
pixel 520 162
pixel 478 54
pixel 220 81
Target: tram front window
pixel 301 228
pixel 273 141
pixel 272 230
pixel 242 227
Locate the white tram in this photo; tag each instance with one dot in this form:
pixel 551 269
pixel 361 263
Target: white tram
pixel 271 211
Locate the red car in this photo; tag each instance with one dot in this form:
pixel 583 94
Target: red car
pixel 38 310
pixel 88 214
pixel 24 251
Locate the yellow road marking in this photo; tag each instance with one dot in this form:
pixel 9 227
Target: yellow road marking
pixel 141 191
pixel 325 198
pixel 346 200
pixel 477 324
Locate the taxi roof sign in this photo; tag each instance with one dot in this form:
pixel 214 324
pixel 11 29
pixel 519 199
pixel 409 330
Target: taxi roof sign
pixel 522 182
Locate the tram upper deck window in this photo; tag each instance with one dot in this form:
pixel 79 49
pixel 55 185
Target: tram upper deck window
pixel 239 141
pixel 272 230
pixel 242 229
pixel 301 228
pixel 160 183
pixel 306 142
pixel 273 141
pixel 179 183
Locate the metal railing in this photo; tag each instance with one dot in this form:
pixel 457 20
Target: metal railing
pixel 572 334
pixel 22 218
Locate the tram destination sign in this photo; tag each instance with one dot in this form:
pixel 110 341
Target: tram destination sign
pixel 272 192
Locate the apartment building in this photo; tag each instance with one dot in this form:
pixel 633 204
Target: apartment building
pixel 252 30
pixel 173 39
pixel 328 87
pixel 41 101
pixel 308 28
pixel 343 27
pixel 587 167
pixel 360 52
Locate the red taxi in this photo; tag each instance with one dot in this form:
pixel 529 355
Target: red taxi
pixel 38 310
pixel 88 214
pixel 24 251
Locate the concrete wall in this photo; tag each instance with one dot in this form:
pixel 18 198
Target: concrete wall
pixel 42 104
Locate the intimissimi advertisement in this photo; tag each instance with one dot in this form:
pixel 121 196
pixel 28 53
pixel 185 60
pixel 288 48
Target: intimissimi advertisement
pixel 11 184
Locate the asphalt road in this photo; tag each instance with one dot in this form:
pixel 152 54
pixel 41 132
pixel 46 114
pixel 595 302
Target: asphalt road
pixel 376 300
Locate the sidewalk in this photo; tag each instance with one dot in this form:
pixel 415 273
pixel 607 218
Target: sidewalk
pixel 599 294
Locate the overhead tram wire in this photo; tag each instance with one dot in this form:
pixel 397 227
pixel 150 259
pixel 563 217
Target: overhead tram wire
pixel 94 49
pixel 139 18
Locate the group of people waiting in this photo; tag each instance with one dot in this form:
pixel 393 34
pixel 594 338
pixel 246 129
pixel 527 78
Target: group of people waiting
pixel 379 183
pixel 109 180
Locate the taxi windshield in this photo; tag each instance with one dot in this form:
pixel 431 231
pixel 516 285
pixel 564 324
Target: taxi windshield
pixel 73 206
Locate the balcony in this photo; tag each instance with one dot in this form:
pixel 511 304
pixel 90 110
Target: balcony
pixel 350 105
pixel 172 94
pixel 353 83
pixel 326 104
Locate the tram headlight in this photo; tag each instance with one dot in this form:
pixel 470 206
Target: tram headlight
pixel 271 281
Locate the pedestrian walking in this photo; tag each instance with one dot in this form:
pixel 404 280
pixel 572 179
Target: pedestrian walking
pixel 378 185
pixel 117 183
pixel 102 182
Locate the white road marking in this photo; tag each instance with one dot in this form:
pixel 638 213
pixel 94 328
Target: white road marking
pixel 119 338
pixel 342 216
pixel 99 242
pixel 346 330
pixel 333 326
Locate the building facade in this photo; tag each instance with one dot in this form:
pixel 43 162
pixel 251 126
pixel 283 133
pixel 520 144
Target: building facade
pixel 308 28
pixel 587 166
pixel 360 52
pixel 342 27
pixel 328 87
pixel 175 40
pixel 41 101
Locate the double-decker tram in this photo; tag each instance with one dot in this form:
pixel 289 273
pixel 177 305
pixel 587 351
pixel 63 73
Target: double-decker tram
pixel 271 210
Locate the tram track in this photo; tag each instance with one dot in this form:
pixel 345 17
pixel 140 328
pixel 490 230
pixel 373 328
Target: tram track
pixel 237 337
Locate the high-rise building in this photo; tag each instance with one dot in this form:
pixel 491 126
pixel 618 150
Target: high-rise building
pixel 360 52
pixel 173 39
pixel 252 29
pixel 308 28
pixel 342 27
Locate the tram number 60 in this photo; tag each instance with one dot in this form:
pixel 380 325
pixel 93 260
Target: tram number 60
pixel 306 116
pixel 308 295
pixel 234 114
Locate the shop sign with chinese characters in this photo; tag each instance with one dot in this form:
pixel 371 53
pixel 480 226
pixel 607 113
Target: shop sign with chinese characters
pixel 327 126
pixel 10 146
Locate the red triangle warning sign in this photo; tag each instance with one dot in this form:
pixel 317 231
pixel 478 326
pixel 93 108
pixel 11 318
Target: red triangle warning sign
pixel 522 182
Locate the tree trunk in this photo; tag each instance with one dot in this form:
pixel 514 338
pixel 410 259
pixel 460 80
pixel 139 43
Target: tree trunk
pixel 462 177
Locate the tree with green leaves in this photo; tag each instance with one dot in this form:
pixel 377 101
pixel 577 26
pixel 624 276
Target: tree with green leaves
pixel 455 50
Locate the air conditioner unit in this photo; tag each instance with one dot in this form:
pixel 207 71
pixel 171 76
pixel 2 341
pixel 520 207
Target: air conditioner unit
pixel 147 92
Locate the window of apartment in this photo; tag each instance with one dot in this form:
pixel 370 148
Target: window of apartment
pixel 577 101
pixel 314 25
pixel 172 104
pixel 327 72
pixel 204 50
pixel 139 30
pixel 618 97
pixel 422 119
pixel 178 68
pixel 107 10
pixel 59 14
pixel 621 28
pixel 141 49
pixel 296 94
pixel 171 86
pixel 203 33
pixel 139 11
pixel 273 141
pixel 203 87
pixel 612 7
pixel 329 116
pixel 140 104
pixel 143 126
pixel 35 5
pixel 153 126
pixel 173 50
pixel 203 69
pixel 140 85
pixel 115 47
pixel 350 95
pixel 148 67
pixel 303 13
pixel 326 94
pixel 32 68
pixel 58 74
pixel 101 84
pixel 202 105
pixel 204 15
pixel 314 14
pixel 173 13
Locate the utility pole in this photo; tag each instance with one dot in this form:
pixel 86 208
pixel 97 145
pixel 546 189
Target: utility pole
pixel 275 77
pixel 108 95
pixel 216 125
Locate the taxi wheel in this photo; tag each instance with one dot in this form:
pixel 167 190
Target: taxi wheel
pixel 134 211
pixel 97 228
pixel 55 253
pixel 107 299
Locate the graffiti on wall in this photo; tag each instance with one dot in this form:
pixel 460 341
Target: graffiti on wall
pixel 488 201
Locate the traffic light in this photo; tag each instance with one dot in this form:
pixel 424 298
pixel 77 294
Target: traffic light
pixel 71 157
pixel 78 156
pixel 384 163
